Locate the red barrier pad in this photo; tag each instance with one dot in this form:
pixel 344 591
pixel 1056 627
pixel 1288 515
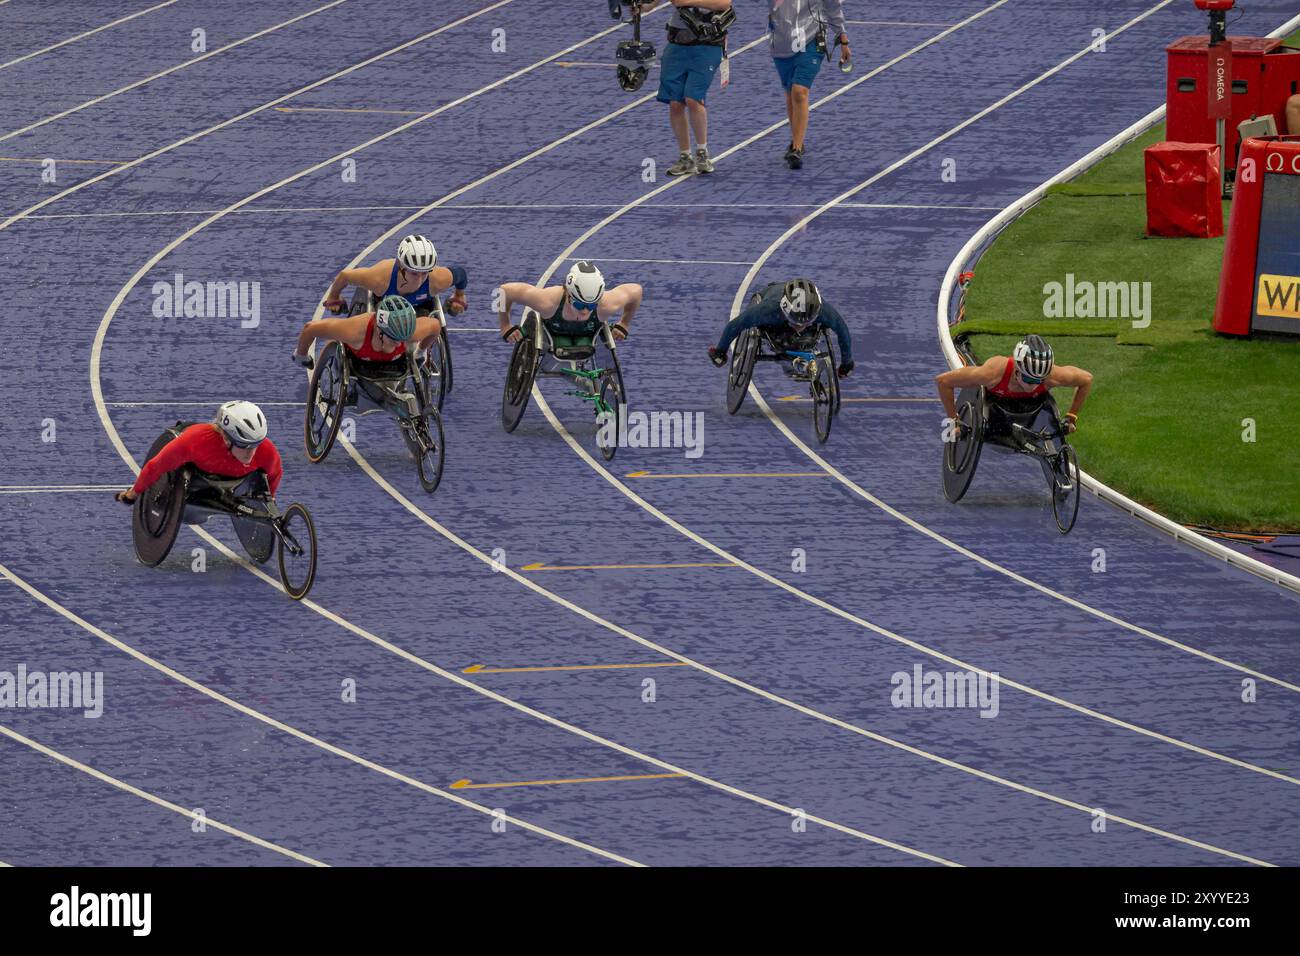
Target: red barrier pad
pixel 1183 190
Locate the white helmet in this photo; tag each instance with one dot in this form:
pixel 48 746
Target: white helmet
pixel 584 283
pixel 416 254
pixel 243 423
pixel 1033 358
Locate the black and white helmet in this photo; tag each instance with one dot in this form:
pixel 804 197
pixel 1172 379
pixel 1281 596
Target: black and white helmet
pixel 584 283
pixel 1033 358
pixel 416 254
pixel 801 303
pixel 243 423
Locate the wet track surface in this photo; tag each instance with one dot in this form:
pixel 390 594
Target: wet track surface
pixel 774 690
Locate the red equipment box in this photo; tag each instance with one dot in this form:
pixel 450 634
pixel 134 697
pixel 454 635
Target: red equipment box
pixel 1183 190
pixel 1264 75
pixel 1259 289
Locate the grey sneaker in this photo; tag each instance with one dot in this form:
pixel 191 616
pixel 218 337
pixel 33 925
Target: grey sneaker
pixel 683 167
pixel 702 162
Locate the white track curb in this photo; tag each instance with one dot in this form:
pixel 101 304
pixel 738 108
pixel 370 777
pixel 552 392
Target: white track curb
pixel 975 247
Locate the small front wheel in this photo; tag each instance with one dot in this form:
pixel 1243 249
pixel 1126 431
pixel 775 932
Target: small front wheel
pixel 297 551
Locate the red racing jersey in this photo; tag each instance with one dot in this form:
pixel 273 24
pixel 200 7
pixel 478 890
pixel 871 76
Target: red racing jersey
pixel 204 446
pixel 1003 388
pixel 369 353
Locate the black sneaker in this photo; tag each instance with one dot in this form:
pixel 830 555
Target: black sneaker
pixel 794 158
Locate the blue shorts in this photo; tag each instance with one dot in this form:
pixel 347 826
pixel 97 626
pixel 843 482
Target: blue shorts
pixel 687 72
pixel 801 68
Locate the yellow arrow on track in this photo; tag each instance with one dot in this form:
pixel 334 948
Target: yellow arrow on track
pixel 467 785
pixel 482 669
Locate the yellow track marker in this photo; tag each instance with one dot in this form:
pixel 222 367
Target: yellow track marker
pixel 91 162
pixel 733 474
pixel 467 785
pixel 346 109
pixel 483 669
pixel 540 566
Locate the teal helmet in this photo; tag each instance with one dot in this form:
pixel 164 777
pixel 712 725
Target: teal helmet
pixel 396 318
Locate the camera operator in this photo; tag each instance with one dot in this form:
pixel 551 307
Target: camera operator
pixel 697 41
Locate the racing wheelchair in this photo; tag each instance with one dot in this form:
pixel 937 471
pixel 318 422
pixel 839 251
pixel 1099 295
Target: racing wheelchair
pixel 566 350
pixel 190 495
pixel 1014 426
pixel 806 357
pixel 436 361
pixel 402 387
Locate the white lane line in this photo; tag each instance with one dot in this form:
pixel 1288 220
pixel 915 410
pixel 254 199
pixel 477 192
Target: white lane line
pixel 594 618
pixel 1007 214
pixel 834 609
pixel 898 23
pixel 82 36
pixel 283 727
pixel 281 210
pixel 167 72
pixel 210 403
pixel 893 512
pixel 23 214
pixel 158 801
pixel 682 262
pixel 432 668
pixel 111 430
pixel 105 419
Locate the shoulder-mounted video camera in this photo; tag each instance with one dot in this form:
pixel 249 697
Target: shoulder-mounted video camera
pixel 633 57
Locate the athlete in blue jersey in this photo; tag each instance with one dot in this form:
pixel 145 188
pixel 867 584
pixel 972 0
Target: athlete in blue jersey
pixel 414 274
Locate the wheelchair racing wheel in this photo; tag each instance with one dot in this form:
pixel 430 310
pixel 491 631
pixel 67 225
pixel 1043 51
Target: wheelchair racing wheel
pixel 823 396
pixel 158 512
pixel 297 552
pixel 835 376
pixel 325 401
pixel 424 436
pixel 519 377
pixel 612 398
pixel 1065 489
pixel 962 455
pixel 435 372
pixel 744 355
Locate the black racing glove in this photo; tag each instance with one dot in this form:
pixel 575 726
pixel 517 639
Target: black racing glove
pixel 845 368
